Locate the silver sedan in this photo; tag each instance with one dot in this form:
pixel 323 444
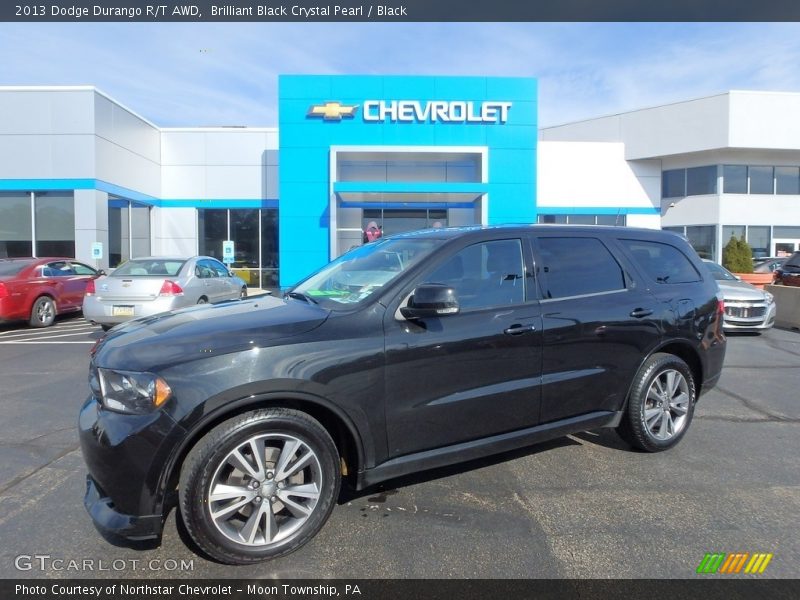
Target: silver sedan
pixel 747 308
pixel 146 286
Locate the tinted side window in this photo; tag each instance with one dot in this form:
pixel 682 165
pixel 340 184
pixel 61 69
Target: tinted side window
pixel 58 269
pixel 81 269
pixel 575 266
pixel 485 274
pixel 205 270
pixel 662 263
pixel 218 267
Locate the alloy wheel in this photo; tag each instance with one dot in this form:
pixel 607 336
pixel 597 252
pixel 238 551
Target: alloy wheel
pixel 265 489
pixel 667 405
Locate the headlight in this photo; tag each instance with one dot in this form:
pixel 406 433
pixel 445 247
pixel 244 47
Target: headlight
pixel 769 297
pixel 128 391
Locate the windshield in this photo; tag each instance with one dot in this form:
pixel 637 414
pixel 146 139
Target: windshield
pixel 353 277
pixel 150 267
pixel 720 273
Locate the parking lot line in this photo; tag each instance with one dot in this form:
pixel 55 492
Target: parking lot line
pixel 49 342
pixel 35 332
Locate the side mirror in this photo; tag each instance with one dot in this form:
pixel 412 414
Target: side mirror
pixel 101 273
pixel 431 300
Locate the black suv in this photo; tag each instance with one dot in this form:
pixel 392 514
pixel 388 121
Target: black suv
pixel 789 272
pixel 411 352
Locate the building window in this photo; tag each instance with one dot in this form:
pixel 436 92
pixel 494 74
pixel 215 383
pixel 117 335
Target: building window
pixel 734 179
pixel 761 180
pixel 701 181
pixel 55 224
pixel 704 240
pixel 759 240
pixel 16 236
pixel 37 224
pixel 128 231
pixel 254 233
pixel 673 183
pixel 729 231
pixel 787 180
pixel 786 232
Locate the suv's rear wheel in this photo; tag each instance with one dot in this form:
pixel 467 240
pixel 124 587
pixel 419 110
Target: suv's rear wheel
pixel 661 404
pixel 259 485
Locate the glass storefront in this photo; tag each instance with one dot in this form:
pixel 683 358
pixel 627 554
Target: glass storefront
pixel 37 224
pixel 390 221
pixel 16 236
pixel 128 231
pixel 254 233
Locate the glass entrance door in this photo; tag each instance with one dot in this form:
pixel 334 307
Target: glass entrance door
pixel 785 247
pixel 378 222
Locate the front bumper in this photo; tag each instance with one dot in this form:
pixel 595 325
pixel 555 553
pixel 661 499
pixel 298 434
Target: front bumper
pixel 736 322
pixel 106 518
pixel 127 458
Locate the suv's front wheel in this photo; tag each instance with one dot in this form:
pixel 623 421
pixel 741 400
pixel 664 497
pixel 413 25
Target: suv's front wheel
pixel 661 404
pixel 259 485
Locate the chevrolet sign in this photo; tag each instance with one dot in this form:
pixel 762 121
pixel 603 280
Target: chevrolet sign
pixel 433 111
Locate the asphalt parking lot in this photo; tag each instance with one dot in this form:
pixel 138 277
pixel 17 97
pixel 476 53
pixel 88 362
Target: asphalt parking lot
pixel 585 506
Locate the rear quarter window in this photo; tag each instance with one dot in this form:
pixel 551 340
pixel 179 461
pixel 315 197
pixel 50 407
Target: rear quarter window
pixel 663 263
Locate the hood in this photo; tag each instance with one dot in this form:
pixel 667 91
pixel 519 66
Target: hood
pixel 739 290
pixel 161 341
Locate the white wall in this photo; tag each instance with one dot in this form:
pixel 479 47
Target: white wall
pixel 46 133
pixel 128 148
pixel 768 120
pixel 174 231
pixel 219 163
pixel 91 225
pixel 592 174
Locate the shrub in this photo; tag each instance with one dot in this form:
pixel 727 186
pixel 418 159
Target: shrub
pixel 737 256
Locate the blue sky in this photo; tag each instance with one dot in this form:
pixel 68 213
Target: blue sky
pixel 226 74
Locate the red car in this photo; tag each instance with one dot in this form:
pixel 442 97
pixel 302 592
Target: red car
pixel 38 289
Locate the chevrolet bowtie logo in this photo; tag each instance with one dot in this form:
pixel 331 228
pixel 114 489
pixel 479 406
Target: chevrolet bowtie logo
pixel 333 111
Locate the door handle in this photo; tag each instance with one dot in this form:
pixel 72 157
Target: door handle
pixel 639 313
pixel 519 329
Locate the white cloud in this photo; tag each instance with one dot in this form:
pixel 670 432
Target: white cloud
pixel 211 74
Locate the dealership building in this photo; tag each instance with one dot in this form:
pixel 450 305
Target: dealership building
pixel 82 175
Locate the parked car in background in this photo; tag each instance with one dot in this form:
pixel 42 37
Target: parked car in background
pixel 747 308
pixel 409 353
pixel 768 265
pixel 789 272
pixel 151 285
pixel 38 289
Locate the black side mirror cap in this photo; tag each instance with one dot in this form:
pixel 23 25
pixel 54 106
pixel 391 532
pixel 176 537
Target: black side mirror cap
pixel 431 300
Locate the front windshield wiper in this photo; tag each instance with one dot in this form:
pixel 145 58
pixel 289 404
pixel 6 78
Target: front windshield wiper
pixel 300 296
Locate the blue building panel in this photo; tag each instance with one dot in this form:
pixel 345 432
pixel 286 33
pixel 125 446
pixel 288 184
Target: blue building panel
pixel 319 112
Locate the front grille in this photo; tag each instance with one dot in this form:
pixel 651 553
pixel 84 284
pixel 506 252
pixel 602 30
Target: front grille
pixel 745 312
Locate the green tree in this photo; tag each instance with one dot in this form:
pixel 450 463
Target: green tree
pixel 737 256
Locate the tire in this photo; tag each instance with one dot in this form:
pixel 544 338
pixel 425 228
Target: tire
pixel 202 300
pixel 254 517
pixel 651 422
pixel 43 312
pixel 243 293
